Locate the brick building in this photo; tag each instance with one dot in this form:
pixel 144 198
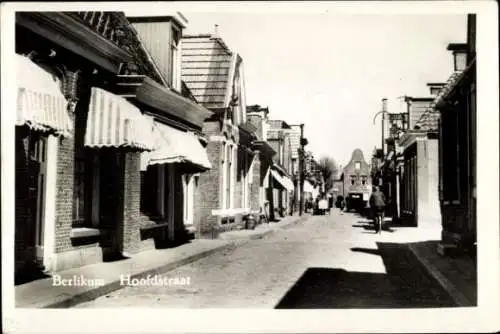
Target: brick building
pixel 258 117
pixel 356 177
pixel 169 173
pixel 81 131
pixel 281 187
pixel 295 156
pixel 215 76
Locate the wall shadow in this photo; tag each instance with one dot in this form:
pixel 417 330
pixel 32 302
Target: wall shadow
pixel 405 284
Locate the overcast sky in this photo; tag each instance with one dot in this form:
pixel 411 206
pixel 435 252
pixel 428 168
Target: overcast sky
pixel 330 71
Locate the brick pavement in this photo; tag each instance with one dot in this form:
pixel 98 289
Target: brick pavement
pixel 42 293
pixel 322 262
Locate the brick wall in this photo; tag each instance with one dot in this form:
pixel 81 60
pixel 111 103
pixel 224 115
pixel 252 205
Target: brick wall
pixel 131 203
pixel 255 185
pixel 275 144
pixel 65 186
pixel 207 195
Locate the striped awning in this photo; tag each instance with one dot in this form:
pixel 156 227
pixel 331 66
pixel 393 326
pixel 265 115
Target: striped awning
pixel 283 180
pixel 115 122
pixel 288 183
pixel 175 146
pixel 308 187
pixel 40 102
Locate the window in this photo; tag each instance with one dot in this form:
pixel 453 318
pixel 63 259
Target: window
pixel 174 65
pixel 353 180
pixel 188 187
pixel 229 174
pixel 154 191
pixel 83 175
pixel 357 166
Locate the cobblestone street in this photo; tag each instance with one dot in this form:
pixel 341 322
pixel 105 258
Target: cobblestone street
pixel 333 261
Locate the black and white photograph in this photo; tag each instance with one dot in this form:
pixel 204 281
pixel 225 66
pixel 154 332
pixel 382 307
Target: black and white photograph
pixel 177 157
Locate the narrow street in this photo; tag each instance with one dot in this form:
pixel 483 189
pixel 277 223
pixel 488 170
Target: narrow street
pixel 333 261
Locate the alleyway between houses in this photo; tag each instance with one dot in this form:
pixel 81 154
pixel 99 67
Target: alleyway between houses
pixel 332 261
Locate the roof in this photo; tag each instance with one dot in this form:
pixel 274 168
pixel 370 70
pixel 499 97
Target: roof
pixel 207 64
pixel 273 134
pixel 429 121
pixel 278 124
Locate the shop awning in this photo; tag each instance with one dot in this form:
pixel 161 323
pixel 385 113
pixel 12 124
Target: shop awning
pixel 175 146
pixel 115 122
pixel 283 180
pixel 308 188
pixel 40 103
pixel 289 183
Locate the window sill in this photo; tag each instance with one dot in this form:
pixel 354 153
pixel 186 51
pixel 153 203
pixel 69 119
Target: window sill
pixel 84 232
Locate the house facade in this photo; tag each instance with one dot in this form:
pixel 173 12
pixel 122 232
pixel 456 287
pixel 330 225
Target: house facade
pixel 419 201
pixel 215 76
pixel 282 187
pixel 356 177
pixel 86 92
pixel 169 173
pixel 258 117
pixel 457 149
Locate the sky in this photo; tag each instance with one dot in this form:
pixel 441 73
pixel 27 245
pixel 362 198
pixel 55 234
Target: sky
pixel 330 71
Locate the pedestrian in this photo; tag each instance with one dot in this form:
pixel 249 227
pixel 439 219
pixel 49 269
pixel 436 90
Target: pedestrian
pixel 377 204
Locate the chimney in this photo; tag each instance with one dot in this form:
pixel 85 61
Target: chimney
pixel 459 51
pixel 216 31
pixel 435 87
pixel 384 104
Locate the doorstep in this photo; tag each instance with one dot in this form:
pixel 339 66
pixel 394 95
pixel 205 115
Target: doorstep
pixel 457 275
pixel 43 294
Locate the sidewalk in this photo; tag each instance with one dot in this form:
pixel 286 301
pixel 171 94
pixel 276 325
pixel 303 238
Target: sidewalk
pixel 264 229
pixel 43 294
pixel 457 275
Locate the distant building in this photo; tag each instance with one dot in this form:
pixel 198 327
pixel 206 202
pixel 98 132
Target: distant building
pixel 357 181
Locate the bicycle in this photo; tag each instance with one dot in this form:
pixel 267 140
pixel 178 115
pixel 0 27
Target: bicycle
pixel 379 220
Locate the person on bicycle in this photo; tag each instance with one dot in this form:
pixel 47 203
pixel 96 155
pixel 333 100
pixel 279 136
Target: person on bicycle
pixel 377 204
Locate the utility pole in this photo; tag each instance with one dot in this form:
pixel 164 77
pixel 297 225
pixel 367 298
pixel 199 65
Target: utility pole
pixel 301 170
pixel 384 111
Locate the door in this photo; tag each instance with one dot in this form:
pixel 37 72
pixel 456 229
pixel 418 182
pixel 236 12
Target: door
pixel 37 169
pixel 111 195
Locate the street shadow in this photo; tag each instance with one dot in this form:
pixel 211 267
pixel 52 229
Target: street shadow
pixel 29 275
pixel 405 284
pixel 368 226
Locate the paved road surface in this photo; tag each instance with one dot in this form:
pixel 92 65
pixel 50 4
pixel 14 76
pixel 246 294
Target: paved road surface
pixel 333 261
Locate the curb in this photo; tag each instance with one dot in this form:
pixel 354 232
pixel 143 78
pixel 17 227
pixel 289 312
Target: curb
pixel 275 229
pixel 115 285
pixel 271 230
pixel 454 293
